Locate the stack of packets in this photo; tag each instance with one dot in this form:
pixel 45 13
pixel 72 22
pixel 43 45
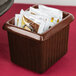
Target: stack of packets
pixel 39 19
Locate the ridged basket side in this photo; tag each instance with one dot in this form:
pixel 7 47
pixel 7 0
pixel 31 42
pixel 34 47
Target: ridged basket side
pixel 55 47
pixel 38 56
pixel 25 52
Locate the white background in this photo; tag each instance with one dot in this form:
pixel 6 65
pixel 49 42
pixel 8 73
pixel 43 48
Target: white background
pixel 52 2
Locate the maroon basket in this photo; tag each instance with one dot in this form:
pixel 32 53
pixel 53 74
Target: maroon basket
pixel 38 52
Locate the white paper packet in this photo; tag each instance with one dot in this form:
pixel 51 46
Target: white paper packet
pixel 37 12
pixel 38 20
pixel 51 11
pixel 22 12
pixel 47 14
pixel 17 19
pixel 41 27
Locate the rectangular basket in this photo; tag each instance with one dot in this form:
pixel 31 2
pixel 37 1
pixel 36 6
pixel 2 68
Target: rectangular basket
pixel 38 52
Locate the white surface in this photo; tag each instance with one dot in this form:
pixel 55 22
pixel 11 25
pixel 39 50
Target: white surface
pixel 52 2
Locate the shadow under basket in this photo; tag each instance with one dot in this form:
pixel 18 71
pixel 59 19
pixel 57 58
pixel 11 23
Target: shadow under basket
pixel 37 52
